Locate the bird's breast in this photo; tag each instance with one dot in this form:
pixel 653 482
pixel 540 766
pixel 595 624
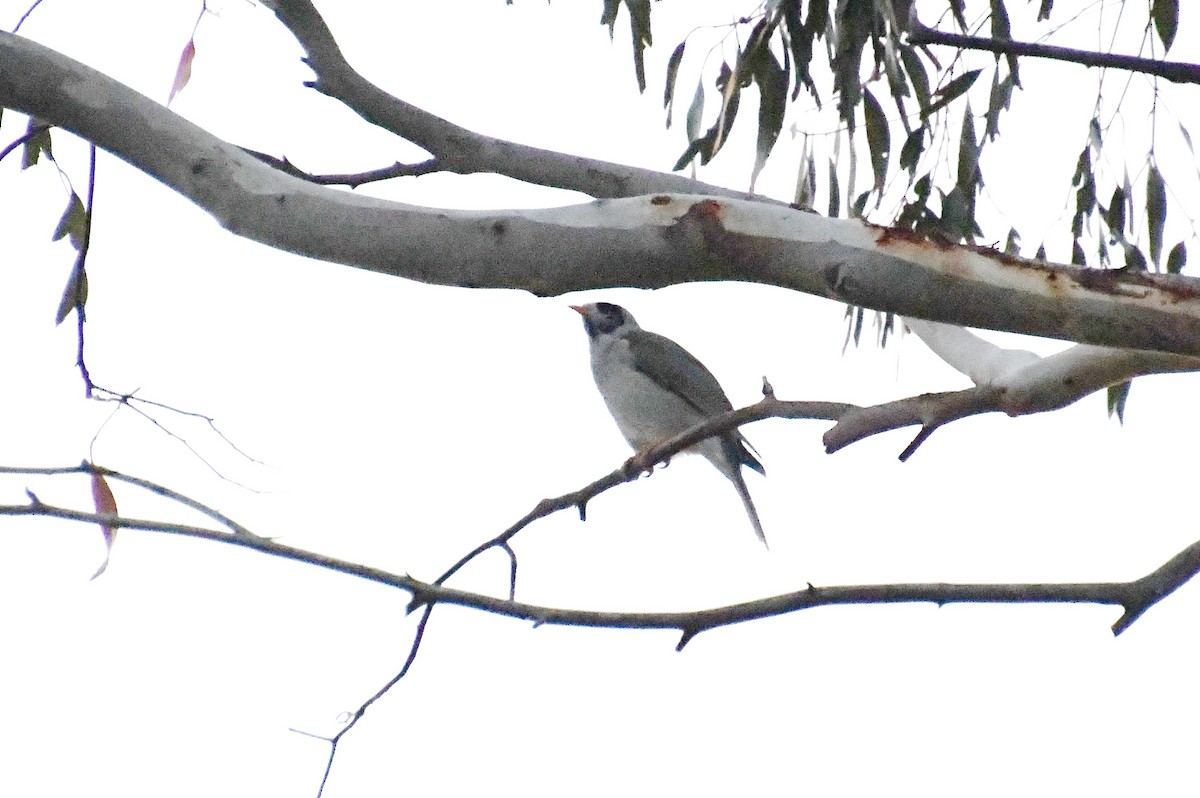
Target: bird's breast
pixel 646 413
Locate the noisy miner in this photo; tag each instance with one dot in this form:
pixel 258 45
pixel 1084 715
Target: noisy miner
pixel 655 389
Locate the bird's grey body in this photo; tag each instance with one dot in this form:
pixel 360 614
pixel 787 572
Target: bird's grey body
pixel 655 389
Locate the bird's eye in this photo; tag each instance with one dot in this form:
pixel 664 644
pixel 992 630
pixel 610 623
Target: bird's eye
pixel 610 310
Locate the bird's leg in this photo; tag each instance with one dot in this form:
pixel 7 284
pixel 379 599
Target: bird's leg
pixel 636 465
pixel 642 463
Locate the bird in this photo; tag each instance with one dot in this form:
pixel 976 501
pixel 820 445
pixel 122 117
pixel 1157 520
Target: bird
pixel 655 389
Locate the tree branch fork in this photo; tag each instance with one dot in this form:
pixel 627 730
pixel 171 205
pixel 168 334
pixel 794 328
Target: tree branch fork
pixel 1135 597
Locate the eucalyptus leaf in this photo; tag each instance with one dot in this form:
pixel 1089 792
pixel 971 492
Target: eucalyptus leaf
pixel 1165 14
pixel 1156 212
pixel 73 222
pixel 879 140
pixel 1177 258
pixel 1117 396
pixel 672 73
pixel 952 91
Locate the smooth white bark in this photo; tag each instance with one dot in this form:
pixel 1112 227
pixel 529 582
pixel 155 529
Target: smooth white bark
pixel 648 241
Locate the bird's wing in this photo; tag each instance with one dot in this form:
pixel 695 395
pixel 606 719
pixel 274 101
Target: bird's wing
pixel 674 368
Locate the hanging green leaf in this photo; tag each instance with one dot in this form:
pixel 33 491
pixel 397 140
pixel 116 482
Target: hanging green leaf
pixel 772 82
pixel 1041 252
pixel 709 144
pixel 1165 14
pixel 37 141
pixel 1135 261
pixel 923 187
pixel 730 86
pixel 1156 212
pixel 1117 395
pixel 818 17
pixel 1012 245
pixel 1002 30
pixel 73 222
pixel 695 112
pixel 672 73
pixel 639 26
pixel 886 327
pixel 952 91
pixel 835 193
pixel 1000 100
pixel 75 293
pixel 860 202
pixel 1083 167
pixel 1085 196
pixel 910 153
pixel 916 74
pixel 1114 214
pixel 799 37
pixel 1077 256
pixel 968 153
pixel 856 25
pixel 958 8
pixel 1177 258
pixel 958 215
pixel 879 140
pixel 609 15
pixel 1044 10
pixel 804 195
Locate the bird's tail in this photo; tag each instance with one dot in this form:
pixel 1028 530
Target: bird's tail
pixel 728 458
pixel 748 503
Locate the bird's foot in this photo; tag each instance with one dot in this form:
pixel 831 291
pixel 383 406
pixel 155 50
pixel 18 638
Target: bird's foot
pixel 641 464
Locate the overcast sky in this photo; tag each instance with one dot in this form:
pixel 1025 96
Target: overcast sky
pixel 399 425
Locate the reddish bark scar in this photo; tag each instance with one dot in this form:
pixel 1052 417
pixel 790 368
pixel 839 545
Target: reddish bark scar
pixel 738 253
pixel 1110 281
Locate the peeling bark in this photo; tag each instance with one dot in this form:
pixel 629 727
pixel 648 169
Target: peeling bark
pixel 648 242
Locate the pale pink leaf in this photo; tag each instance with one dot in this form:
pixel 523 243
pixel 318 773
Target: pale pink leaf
pixel 105 504
pixel 184 71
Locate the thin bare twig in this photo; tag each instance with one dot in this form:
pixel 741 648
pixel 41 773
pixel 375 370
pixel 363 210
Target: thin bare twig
pixel 130 398
pixel 352 179
pixel 25 16
pixel 79 276
pixel 153 487
pixel 127 400
pixel 333 741
pixel 1175 71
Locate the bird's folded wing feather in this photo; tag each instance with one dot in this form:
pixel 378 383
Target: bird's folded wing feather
pixel 674 368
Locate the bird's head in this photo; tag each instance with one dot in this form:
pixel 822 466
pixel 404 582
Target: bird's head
pixel 605 318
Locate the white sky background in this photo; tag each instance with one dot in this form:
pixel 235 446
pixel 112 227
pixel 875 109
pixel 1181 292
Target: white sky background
pixel 403 424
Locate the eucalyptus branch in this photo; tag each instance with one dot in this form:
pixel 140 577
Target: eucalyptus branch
pixel 463 151
pixel 1175 71
pixel 930 410
pixel 1135 597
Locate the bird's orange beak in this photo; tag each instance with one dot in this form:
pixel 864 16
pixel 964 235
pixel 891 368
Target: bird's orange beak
pixel 580 309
